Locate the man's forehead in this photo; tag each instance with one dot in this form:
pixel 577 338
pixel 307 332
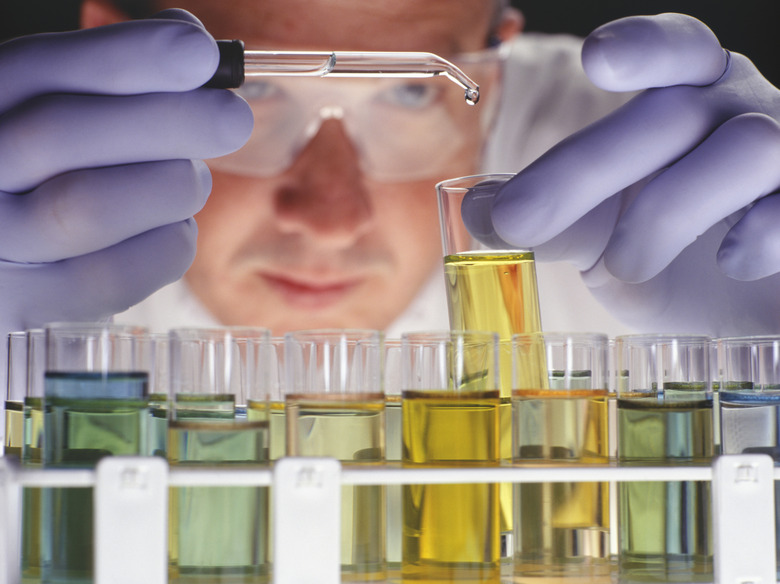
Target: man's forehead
pixel 443 26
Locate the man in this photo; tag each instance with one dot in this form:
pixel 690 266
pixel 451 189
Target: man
pixel 324 239
pixel 321 240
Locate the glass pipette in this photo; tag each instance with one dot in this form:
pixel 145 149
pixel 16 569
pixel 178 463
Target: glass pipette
pixel 236 64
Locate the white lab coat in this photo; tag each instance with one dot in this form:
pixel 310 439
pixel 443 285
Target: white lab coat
pixel 545 97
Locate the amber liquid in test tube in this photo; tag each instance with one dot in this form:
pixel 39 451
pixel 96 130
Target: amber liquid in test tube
pixel 561 529
pixel 488 290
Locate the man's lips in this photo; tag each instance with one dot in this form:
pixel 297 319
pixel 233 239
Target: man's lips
pixel 308 293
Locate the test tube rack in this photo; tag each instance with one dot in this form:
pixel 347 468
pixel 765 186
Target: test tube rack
pixel 131 497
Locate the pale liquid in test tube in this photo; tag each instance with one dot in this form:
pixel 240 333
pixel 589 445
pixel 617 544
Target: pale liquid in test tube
pixel 278 430
pixel 14 424
pixel 665 527
pixel 86 419
pixel 497 292
pixel 217 532
pixel 561 528
pixel 750 424
pixel 351 428
pixel 451 530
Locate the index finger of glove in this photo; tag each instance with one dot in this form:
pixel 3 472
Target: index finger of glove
pixel 54 134
pixel 639 52
pixel 647 134
pixel 140 56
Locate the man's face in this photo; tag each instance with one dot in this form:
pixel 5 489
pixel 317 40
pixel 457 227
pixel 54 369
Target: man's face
pixel 323 243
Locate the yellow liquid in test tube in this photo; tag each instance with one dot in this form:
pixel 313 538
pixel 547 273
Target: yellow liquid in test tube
pixel 493 291
pixel 449 531
pixel 496 291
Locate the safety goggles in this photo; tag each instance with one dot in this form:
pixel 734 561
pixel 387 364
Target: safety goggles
pixel 402 129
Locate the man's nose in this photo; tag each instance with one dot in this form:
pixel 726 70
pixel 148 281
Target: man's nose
pixel 323 194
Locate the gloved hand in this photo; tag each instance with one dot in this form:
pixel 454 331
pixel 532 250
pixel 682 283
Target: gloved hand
pixel 667 205
pixel 102 136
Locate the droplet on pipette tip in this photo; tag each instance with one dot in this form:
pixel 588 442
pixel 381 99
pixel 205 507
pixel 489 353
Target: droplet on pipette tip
pixel 472 96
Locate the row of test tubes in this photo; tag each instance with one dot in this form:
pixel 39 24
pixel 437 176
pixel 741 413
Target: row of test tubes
pixel 236 397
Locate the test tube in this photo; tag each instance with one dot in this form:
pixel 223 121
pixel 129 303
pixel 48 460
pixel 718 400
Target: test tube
pixel 749 401
pixel 95 404
pixel 488 290
pixel 664 417
pixel 393 449
pixel 450 417
pixel 560 418
pixel 32 450
pixel 335 407
pixel 14 401
pixel 218 418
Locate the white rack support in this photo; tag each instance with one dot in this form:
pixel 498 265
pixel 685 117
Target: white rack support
pixel 131 520
pixel 10 522
pixel 743 506
pixel 307 521
pixel 131 510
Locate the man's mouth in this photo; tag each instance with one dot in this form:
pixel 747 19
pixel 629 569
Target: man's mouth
pixel 310 293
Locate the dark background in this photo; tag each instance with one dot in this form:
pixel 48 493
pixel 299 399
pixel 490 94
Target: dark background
pixel 748 26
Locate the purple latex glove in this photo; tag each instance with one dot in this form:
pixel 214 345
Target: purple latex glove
pixel 667 205
pixel 102 136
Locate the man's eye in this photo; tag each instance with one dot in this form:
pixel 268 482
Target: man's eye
pixel 259 90
pixel 409 95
